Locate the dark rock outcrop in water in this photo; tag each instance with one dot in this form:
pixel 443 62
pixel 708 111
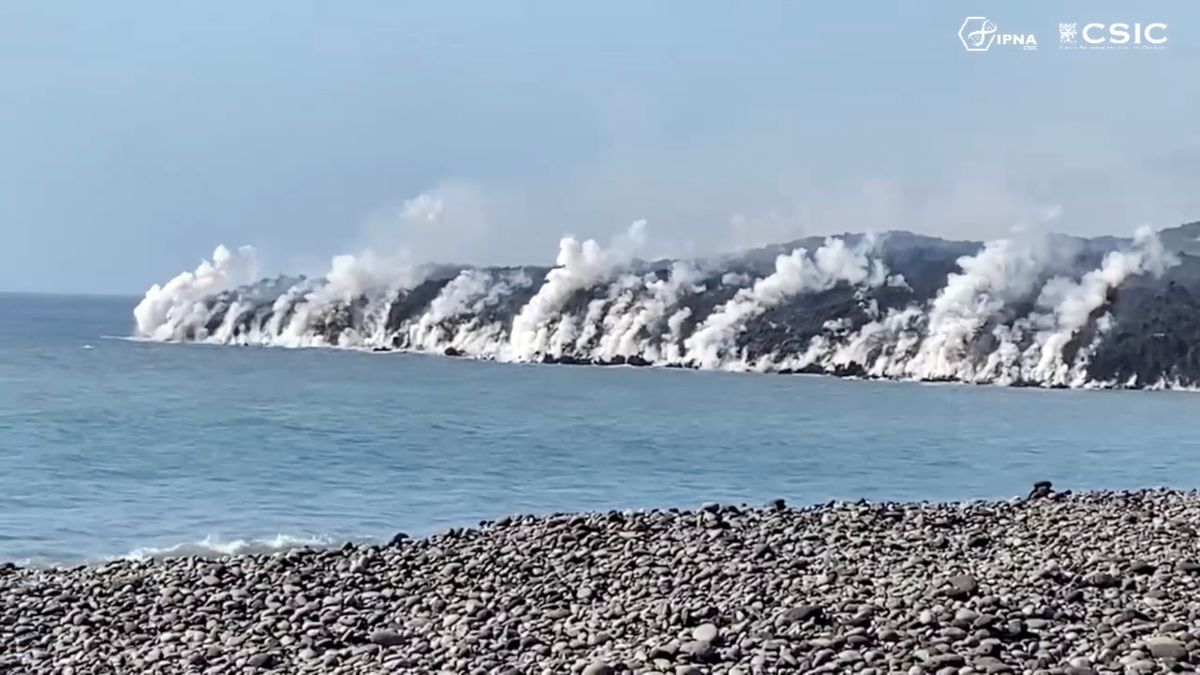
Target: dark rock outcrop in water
pixel 1086 583
pixel 1052 311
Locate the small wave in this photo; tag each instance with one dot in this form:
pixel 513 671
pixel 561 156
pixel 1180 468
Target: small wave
pixel 213 547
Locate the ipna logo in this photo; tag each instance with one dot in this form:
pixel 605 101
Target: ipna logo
pixel 979 33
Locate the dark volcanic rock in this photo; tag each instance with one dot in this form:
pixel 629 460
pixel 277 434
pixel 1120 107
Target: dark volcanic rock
pixel 1142 331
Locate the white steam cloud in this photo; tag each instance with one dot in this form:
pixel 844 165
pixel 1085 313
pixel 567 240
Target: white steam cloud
pixel 1018 310
pixel 797 272
pixel 168 311
pixel 579 266
pixel 1003 272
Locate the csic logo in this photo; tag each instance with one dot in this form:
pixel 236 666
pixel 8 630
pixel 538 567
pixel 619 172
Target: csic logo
pixel 1112 36
pixel 979 33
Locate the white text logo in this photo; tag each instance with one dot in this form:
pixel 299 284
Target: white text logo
pixel 1117 35
pixel 979 34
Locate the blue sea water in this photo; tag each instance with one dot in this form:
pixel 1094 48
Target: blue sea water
pixel 110 446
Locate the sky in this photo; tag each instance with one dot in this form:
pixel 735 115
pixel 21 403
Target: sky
pixel 137 136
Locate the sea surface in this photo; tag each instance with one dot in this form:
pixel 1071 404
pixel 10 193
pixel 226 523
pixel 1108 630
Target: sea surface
pixel 113 447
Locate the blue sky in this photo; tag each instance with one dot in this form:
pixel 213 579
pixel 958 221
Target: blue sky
pixel 136 136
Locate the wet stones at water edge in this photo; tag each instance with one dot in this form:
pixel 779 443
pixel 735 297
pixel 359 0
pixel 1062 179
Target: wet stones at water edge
pixel 1102 582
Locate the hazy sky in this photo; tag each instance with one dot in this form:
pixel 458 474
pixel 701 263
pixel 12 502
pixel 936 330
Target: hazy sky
pixel 136 136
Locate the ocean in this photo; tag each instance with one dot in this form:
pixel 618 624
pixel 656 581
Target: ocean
pixel 112 447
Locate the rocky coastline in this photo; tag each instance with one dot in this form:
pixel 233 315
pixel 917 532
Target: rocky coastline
pixel 1051 311
pixel 1095 582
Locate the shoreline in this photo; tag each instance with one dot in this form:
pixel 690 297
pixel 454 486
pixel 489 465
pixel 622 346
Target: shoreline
pixel 213 547
pixel 846 374
pixel 1090 582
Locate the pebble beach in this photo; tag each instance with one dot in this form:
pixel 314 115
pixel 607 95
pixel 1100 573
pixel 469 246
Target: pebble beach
pixel 1096 582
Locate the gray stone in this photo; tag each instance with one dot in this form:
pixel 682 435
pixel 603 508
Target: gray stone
pixel 961 586
pixel 1164 647
pixel 705 632
pixel 263 660
pixel 598 668
pixel 801 614
pixel 387 638
pixel 698 650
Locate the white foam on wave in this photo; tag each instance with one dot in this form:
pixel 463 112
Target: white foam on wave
pixel 210 547
pixel 214 547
